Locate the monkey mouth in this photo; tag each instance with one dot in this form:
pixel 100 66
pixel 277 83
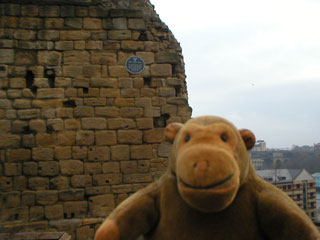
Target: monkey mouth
pixel 208 186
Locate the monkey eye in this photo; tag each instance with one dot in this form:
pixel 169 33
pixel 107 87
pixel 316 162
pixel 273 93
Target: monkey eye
pixel 187 138
pixel 224 137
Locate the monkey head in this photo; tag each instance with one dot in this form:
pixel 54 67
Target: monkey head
pixel 210 161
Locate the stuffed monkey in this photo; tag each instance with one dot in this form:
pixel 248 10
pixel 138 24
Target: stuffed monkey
pixel 210 191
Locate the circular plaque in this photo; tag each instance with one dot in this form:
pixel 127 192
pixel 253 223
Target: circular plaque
pixel 135 65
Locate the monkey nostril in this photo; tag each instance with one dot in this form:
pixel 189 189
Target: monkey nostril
pixel 195 165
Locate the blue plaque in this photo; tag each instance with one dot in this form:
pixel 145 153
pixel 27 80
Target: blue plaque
pixel 135 65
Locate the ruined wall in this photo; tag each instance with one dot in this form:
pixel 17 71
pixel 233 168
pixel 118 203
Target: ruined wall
pixel 78 132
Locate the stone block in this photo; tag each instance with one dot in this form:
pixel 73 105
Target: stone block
pixel 94 45
pixel 85 232
pixel 73 23
pixel 129 92
pixel 107 179
pixel 93 123
pixel 131 112
pixel 104 82
pixel 42 154
pixel 83 111
pixel 28 114
pixel 124 102
pixel 118 71
pixel 121 123
pixel 99 154
pixel 155 135
pixel 53 212
pixel 37 125
pixel 82 11
pixel 120 153
pixel 66 138
pixel 7 56
pixel 137 24
pixel 143 102
pixel 24 34
pixel 71 167
pixel 51 103
pixel 147 92
pixel 132 45
pixel 129 167
pixel 148 57
pixel 72 71
pixel 109 112
pixel 64 45
pixel 71 195
pixel 74 35
pixel 53 23
pixel 75 209
pixel 9 141
pixel 130 136
pixel 30 168
pixel 6 184
pixel 28 198
pixel 95 101
pixel 55 124
pixel 38 183
pixel 111 167
pixel 46 197
pixel 18 155
pixel 107 137
pixel 125 188
pixel 48 169
pixel 62 153
pixel 81 181
pixel 59 183
pixel 36 213
pixel 20 183
pixel 75 57
pixel 5 104
pixel 92 23
pixel 25 57
pixel 141 151
pixel 167 57
pixel 91 92
pixel 72 124
pixel 91 191
pixel 29 10
pixel 12 199
pixel 137 178
pixel 119 34
pixel 101 206
pixel 79 152
pixel 164 150
pixel 49 11
pixel 46 140
pixel 49 58
pixel 119 23
pixel 64 112
pixel 145 123
pixel 48 35
pixel 92 168
pixel 85 138
pixel 16 93
pixel 12 169
pixel 92 71
pixel 161 70
pixel 17 82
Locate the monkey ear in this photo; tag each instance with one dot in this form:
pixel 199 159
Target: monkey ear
pixel 248 138
pixel 171 131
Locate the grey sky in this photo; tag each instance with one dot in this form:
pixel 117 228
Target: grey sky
pixel 254 62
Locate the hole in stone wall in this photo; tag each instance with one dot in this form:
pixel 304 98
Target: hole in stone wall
pixel 147 81
pixel 178 90
pixel 85 90
pixel 160 122
pixel 50 74
pixel 69 103
pixel 27 130
pixel 16 216
pixel 143 36
pixel 50 129
pixel 174 70
pixel 29 78
pixel 72 215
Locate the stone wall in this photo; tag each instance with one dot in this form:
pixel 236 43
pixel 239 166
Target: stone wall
pixel 78 132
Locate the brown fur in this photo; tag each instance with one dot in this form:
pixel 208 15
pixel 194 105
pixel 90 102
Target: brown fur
pixel 210 191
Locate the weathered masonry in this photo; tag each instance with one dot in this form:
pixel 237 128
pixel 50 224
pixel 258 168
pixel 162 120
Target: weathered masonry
pixel 78 132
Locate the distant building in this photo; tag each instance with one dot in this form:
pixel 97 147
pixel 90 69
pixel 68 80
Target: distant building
pixel 260 146
pixel 299 184
pixel 257 163
pixel 304 148
pixel 316 147
pixel 316 176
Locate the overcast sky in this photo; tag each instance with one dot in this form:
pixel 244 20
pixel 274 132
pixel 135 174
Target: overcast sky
pixel 254 62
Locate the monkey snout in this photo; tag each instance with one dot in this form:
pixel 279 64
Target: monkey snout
pixel 199 168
